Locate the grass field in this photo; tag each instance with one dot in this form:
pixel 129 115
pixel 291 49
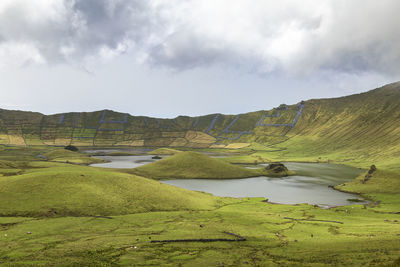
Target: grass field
pixel 56 211
pixel 276 235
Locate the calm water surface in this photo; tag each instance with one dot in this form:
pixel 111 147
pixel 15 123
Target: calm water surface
pixel 309 185
pixel 124 162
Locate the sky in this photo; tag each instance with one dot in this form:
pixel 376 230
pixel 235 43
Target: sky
pixel 192 57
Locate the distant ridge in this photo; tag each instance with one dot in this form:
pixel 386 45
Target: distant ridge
pixel 350 120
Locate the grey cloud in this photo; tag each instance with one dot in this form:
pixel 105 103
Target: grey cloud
pixel 108 25
pixel 75 29
pixel 183 50
pixel 292 36
pixel 357 36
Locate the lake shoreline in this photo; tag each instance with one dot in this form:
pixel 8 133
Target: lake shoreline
pixel 305 178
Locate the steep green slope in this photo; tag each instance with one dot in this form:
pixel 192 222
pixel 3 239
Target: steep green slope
pixel 374 116
pixel 360 129
pixel 77 190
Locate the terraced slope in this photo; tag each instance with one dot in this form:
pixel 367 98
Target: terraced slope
pixel 357 121
pixel 109 128
pixel 359 128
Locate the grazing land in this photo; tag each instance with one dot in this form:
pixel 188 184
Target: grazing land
pixel 57 210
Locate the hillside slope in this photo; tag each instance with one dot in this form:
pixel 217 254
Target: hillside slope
pixel 352 124
pixel 363 127
pixel 77 191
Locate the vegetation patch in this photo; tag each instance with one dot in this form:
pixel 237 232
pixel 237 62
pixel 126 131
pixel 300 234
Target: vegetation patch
pixel 278 170
pixel 164 151
pixel 68 156
pixel 237 145
pixel 355 200
pixel 71 148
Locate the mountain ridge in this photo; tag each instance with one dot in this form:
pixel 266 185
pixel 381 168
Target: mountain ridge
pixel 267 127
pixel 107 109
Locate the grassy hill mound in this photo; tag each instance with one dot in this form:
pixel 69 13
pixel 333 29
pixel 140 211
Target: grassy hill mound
pixel 67 156
pixel 193 165
pixel 79 191
pixel 61 153
pixel 164 151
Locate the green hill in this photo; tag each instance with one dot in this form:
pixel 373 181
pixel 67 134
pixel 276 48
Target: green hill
pixel 67 156
pixel 193 165
pixel 164 151
pixel 358 130
pixel 361 130
pixel 79 191
pixel 357 123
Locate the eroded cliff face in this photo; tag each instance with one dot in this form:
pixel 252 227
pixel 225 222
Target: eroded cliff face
pixel 356 121
pixel 109 128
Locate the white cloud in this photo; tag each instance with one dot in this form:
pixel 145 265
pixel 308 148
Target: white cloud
pixel 17 54
pixel 293 36
pixel 296 37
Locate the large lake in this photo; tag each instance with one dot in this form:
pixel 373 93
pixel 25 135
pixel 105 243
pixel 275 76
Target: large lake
pixel 309 185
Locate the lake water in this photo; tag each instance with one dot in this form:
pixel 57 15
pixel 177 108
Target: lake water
pixel 309 185
pixel 125 162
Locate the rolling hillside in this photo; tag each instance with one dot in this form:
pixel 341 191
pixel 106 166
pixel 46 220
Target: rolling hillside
pixel 362 127
pixel 80 191
pixel 57 213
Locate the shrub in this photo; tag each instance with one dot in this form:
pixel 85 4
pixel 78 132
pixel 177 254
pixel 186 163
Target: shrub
pixel 71 148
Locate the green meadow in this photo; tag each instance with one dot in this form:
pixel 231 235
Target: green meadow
pixel 57 213
pixel 55 210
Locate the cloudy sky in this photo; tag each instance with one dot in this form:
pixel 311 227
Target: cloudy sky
pixel 165 58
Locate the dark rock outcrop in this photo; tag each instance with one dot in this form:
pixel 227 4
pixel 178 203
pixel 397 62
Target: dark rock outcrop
pixel 71 148
pixel 368 176
pixel 276 168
